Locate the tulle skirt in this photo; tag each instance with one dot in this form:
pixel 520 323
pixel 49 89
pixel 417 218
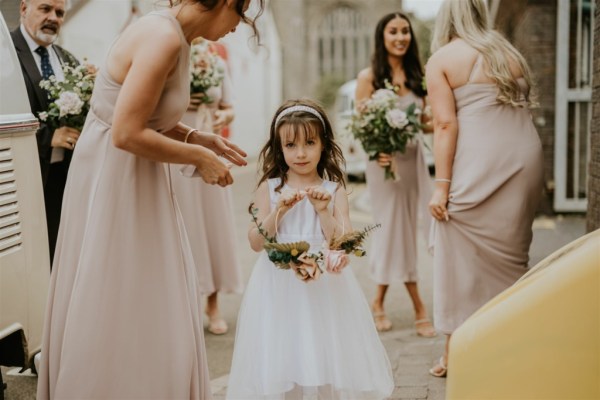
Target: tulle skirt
pixel 313 340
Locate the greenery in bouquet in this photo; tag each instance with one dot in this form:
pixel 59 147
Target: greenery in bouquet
pixel 382 127
pixel 309 266
pixel 351 242
pixel 70 98
pixel 280 254
pixel 206 71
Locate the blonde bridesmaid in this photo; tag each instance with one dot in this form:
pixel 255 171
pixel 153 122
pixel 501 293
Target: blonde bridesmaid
pixel 488 160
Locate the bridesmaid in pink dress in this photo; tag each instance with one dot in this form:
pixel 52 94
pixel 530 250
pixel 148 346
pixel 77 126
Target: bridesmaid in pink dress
pixel 122 319
pixel 489 167
pixel 395 204
pixel 208 211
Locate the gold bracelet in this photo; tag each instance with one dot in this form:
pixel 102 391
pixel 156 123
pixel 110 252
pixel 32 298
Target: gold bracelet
pixel 187 135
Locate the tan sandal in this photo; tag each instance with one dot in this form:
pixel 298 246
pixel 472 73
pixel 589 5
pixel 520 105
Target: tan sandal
pixel 382 323
pixel 440 370
pixel 425 328
pixel 217 326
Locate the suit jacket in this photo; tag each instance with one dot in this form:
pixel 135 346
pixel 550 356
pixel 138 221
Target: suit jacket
pixel 38 98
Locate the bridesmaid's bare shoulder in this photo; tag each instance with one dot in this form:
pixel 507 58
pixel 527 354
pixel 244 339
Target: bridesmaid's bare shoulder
pixel 366 75
pixel 147 39
pixel 364 84
pixel 456 51
pixel 454 60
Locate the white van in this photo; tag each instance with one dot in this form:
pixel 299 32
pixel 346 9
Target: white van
pixel 352 149
pixel 24 256
pixel 356 159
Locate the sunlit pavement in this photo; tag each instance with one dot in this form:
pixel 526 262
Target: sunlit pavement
pixel 410 355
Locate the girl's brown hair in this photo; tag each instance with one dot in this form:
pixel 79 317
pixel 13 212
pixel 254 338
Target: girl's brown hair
pixel 271 159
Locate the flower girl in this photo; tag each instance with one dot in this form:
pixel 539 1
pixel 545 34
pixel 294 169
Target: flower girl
pixel 302 334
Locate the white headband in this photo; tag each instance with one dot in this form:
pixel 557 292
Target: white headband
pixel 307 109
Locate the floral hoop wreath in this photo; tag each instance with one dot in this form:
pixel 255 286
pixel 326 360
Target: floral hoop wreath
pixel 307 109
pixel 309 266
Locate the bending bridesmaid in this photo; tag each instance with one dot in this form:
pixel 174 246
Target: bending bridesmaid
pixel 488 160
pixel 123 316
pixel 208 210
pixel 395 204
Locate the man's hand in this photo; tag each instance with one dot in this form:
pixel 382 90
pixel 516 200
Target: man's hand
pixel 65 137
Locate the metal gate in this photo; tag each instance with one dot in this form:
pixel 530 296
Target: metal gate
pixel 343 40
pixel 574 61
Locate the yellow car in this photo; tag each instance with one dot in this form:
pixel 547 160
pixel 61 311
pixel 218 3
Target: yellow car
pixel 540 338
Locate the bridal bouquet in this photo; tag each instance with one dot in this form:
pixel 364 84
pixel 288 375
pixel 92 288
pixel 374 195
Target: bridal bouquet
pixel 382 127
pixel 309 266
pixel 69 99
pixel 206 71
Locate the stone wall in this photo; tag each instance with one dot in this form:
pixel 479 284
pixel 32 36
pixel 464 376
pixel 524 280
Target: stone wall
pixel 531 27
pixel 593 212
pixel 296 20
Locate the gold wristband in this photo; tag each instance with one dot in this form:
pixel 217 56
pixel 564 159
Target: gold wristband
pixel 187 135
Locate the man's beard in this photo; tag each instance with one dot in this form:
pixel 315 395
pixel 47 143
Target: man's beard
pixel 46 37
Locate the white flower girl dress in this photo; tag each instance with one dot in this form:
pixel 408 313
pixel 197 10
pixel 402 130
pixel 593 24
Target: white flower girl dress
pixel 298 340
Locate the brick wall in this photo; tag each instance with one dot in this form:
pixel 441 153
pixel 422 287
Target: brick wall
pixel 531 27
pixel 593 212
pixel 536 39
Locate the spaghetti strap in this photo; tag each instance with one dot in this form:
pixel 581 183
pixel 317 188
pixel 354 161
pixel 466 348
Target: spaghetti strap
pixel 476 67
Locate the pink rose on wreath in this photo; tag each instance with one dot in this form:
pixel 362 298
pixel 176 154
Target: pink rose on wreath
pixel 308 269
pixel 335 260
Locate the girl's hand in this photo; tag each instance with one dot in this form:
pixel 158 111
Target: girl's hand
pixel 288 199
pixel 221 147
pixel 318 197
pixel 439 202
pixel 212 170
pixel 384 159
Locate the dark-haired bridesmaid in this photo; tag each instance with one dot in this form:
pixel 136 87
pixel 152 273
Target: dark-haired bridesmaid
pixel 395 203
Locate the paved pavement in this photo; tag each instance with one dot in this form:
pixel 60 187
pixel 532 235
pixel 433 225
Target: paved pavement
pixel 411 356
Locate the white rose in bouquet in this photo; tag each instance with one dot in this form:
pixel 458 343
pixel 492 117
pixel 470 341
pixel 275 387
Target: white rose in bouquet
pixel 69 103
pixel 396 118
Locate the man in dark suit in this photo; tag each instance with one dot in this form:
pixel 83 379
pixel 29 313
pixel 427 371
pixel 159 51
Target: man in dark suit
pixel 41 21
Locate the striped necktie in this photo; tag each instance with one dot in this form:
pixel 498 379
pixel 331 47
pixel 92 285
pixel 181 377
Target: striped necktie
pixel 47 70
